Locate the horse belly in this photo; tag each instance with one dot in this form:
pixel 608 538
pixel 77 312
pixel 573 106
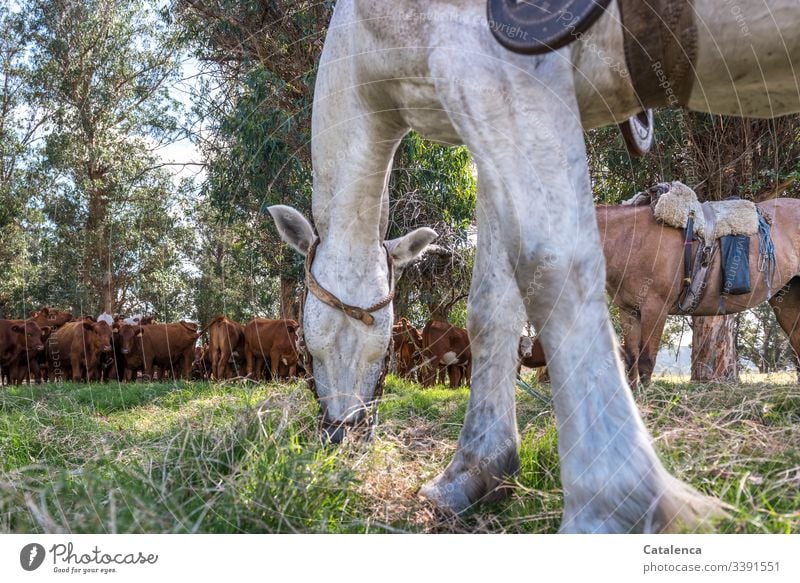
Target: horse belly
pixel 417 102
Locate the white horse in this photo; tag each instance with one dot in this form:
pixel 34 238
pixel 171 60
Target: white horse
pixel 433 65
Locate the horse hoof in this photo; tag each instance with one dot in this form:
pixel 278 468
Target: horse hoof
pixel 447 495
pixel 461 485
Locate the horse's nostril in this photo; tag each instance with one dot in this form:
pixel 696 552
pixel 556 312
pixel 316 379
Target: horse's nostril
pixel 334 433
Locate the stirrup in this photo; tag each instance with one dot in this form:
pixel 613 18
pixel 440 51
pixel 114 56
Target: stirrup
pixel 638 133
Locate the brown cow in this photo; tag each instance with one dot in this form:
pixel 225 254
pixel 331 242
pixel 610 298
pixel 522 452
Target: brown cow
pixel 446 350
pixel 52 319
pixel 45 316
pixel 407 344
pixel 19 339
pixel 273 341
pixel 224 338
pixel 166 346
pixel 29 365
pixel 78 349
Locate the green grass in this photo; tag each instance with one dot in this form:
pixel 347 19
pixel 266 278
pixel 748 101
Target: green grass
pixel 240 457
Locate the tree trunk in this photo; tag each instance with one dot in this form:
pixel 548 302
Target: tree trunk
pixel 289 307
pixel 714 349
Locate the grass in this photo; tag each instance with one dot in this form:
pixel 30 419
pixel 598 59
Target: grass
pixel 239 457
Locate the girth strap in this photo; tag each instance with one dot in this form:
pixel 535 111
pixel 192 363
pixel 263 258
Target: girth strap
pixel 660 49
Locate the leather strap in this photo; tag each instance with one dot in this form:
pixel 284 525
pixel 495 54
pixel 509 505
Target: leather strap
pixel 323 295
pixel 687 302
pixel 687 250
pixel 660 49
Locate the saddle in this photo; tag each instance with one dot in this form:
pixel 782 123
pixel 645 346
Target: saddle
pixel 724 226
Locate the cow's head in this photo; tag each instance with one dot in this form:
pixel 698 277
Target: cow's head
pixel 105 335
pixel 97 337
pixel 348 354
pixel 51 317
pixel 30 335
pixel 128 336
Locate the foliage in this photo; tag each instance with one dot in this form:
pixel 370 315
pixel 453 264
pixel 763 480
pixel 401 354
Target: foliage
pixel 435 186
pixel 101 217
pixel 761 340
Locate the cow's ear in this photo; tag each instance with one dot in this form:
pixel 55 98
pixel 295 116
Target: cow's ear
pixel 293 228
pixel 17 328
pixel 407 248
pixel 88 325
pixel 138 332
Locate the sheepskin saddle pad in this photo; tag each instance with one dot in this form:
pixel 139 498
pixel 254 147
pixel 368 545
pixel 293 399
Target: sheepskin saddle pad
pixel 672 202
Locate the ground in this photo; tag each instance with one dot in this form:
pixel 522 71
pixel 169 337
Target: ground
pixel 240 457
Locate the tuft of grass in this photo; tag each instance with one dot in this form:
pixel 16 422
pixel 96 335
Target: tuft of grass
pixel 239 457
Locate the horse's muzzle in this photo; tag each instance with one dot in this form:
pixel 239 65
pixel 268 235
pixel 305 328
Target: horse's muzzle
pixel 359 425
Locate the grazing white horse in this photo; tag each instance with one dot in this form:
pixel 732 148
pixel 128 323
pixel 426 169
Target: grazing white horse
pixel 433 65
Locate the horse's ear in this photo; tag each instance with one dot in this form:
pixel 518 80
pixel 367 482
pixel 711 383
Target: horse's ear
pixel 293 228
pixel 407 248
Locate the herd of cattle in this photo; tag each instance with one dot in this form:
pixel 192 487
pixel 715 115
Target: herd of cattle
pixel 52 344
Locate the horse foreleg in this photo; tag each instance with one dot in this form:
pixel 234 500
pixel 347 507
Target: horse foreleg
pixel 652 325
pixel 547 265
pixel 631 321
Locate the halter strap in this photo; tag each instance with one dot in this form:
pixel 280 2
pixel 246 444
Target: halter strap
pixel 326 297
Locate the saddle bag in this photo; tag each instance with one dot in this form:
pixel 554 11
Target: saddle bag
pixel 735 264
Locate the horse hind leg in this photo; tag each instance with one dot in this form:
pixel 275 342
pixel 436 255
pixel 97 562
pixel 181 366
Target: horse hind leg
pixel 786 305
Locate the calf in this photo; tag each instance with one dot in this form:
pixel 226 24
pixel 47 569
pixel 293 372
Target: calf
pixel 79 350
pixel 225 337
pixel 446 350
pixel 201 367
pixel 167 346
pixel 273 341
pixel 406 343
pixel 20 340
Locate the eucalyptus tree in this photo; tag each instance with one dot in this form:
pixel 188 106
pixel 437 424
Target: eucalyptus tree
pixel 103 69
pixel 20 122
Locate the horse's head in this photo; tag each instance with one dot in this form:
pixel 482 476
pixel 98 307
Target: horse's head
pixel 347 316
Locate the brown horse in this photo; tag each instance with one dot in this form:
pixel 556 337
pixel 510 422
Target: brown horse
pixel 644 265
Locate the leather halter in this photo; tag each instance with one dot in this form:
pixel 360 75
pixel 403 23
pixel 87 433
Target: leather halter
pixel 660 39
pixel 362 314
pixel 326 297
